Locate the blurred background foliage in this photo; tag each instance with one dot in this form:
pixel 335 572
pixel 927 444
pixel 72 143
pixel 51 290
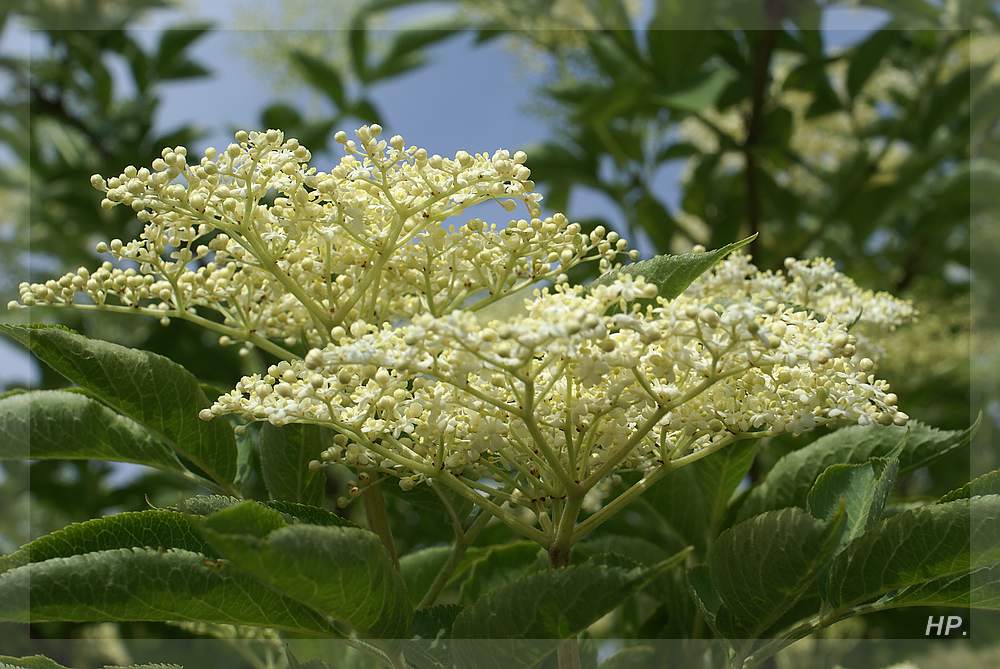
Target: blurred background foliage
pixel 676 123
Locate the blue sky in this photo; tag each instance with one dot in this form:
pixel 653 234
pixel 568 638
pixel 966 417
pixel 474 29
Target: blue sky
pixel 469 97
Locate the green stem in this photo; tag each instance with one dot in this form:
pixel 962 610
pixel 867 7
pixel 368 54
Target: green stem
pixel 462 543
pixel 487 504
pixel 568 653
pixel 378 519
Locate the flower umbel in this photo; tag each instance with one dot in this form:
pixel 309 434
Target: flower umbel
pixel 378 314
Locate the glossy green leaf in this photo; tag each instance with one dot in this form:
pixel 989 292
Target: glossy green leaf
pixel 343 572
pixel 672 274
pixel 155 529
pixel 285 453
pixel 150 389
pixel 63 425
pixel 146 584
pixel 789 481
pixel 915 548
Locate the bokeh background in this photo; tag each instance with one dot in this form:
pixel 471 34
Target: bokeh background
pixel 855 130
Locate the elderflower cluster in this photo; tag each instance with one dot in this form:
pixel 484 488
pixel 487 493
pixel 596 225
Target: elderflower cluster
pixel 383 309
pixel 814 285
pixel 585 381
pixel 261 247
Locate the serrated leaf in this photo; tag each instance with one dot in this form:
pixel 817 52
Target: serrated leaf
pixel 672 274
pixel 57 424
pixel 154 529
pixel 979 589
pixel 285 453
pixel 859 490
pixel 204 505
pixel 763 567
pixel 916 547
pixel 547 605
pixel 987 484
pixel 789 481
pixel 343 572
pixel 140 584
pixel 149 388
pixel 29 662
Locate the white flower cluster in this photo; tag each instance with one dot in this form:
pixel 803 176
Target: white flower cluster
pixel 356 269
pixel 816 286
pixel 584 382
pixel 256 244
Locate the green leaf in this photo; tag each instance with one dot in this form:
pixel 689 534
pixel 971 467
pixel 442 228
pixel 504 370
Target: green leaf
pixel 987 484
pixel 63 425
pixel 435 621
pixel 320 75
pixel 702 95
pixel 500 565
pixel 176 39
pixel 204 505
pixel 419 569
pixel 859 490
pixel 704 595
pixel 141 584
pixel 547 605
pixel 979 589
pixel 635 657
pixel 763 567
pixel 146 387
pixel 133 529
pixel 672 274
pixel 285 453
pixel 694 499
pixel 917 547
pixel 867 56
pixel 344 572
pixel 408 48
pixel 30 662
pixel 789 481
